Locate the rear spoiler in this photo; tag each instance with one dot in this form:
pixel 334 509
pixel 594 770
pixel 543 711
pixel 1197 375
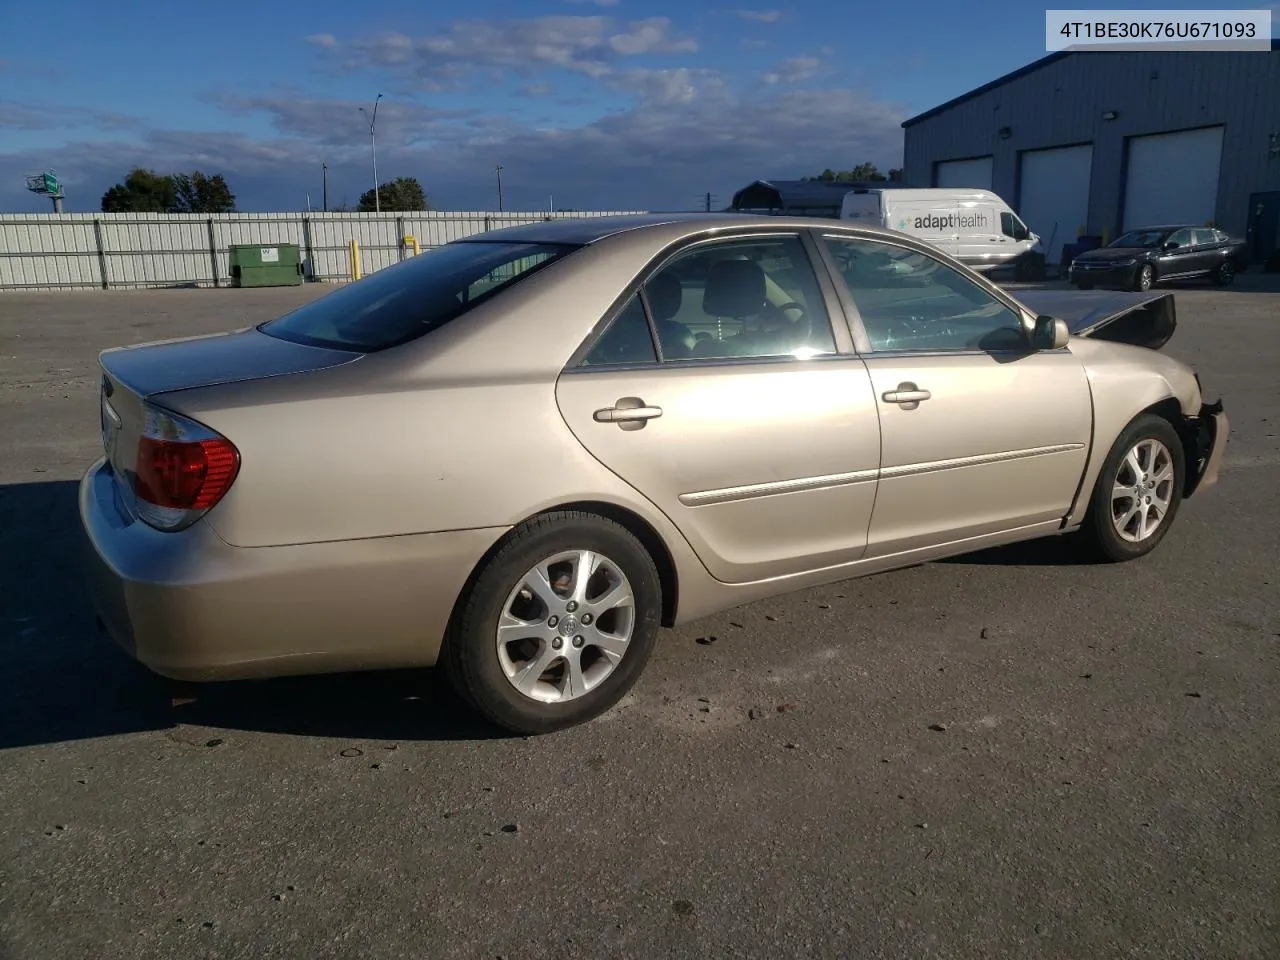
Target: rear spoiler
pixel 1142 319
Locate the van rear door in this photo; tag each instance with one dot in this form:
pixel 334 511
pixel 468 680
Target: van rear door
pixel 864 207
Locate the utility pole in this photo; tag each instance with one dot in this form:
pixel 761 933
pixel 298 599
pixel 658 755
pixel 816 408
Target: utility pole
pixel 373 141
pixel 325 168
pixel 498 168
pixel 708 209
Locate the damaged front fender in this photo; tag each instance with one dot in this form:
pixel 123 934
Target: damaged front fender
pixel 1204 437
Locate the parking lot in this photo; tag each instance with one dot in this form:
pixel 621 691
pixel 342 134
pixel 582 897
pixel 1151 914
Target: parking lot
pixel 1003 755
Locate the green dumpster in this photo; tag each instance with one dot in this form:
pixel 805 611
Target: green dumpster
pixel 256 265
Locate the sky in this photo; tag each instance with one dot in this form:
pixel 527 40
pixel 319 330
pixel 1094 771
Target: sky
pixel 586 104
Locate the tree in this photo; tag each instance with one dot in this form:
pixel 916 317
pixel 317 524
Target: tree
pixel 143 191
pixel 862 173
pixel 402 193
pixel 198 193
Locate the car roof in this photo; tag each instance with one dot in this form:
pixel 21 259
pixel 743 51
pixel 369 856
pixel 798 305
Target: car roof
pixel 579 231
pixel 1169 226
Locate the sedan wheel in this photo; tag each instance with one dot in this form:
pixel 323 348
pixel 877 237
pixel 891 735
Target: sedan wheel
pixel 557 625
pixel 1142 490
pixel 566 626
pixel 1146 277
pixel 1138 491
pixel 1225 273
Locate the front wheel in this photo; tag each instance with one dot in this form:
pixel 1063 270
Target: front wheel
pixel 557 625
pixel 1145 277
pixel 1138 491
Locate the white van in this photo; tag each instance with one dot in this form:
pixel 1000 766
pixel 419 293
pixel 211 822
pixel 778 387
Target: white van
pixel 974 226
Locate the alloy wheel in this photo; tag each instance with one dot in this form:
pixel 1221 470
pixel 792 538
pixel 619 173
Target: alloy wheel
pixel 1142 490
pixel 566 626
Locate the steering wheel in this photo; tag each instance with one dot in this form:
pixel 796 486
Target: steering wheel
pixel 804 317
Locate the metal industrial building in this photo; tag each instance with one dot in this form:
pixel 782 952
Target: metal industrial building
pixel 1098 142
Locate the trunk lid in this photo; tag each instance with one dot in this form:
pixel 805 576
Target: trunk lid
pixel 167 365
pixel 1141 319
pixel 132 374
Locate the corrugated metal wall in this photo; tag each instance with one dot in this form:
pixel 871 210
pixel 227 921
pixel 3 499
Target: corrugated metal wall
pixel 44 251
pixel 1062 104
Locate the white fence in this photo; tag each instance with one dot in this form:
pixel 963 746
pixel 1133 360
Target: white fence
pixel 42 251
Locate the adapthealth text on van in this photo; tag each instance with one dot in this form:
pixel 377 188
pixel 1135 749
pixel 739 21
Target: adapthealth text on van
pixel 975 226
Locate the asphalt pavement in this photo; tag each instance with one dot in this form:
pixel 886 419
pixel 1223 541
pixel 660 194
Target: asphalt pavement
pixel 1005 755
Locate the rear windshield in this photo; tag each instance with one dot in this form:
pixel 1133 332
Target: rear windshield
pixel 403 302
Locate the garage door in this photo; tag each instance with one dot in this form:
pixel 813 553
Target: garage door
pixel 964 173
pixel 1173 178
pixel 1053 195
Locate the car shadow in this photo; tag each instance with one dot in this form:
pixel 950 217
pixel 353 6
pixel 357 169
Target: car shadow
pixel 1056 551
pixel 63 680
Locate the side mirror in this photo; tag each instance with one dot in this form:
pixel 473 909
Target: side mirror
pixel 1172 245
pixel 1051 333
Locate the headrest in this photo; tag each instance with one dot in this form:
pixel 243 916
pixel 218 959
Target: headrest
pixel 735 288
pixel 665 295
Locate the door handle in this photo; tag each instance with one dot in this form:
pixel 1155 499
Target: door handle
pixel 628 410
pixel 907 393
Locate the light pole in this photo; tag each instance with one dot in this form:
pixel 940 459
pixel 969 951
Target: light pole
pixel 373 141
pixel 324 167
pixel 498 168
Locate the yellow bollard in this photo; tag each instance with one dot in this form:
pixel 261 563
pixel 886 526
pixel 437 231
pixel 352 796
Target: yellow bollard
pixel 355 260
pixel 1106 235
pixel 411 241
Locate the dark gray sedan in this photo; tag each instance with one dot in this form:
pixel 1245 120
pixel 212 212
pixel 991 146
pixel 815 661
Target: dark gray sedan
pixel 1141 258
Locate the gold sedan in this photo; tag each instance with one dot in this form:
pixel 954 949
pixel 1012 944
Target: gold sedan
pixel 521 454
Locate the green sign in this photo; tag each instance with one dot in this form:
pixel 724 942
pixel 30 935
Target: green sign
pixel 51 183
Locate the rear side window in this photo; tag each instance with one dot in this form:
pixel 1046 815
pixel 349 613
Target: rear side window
pixel 401 303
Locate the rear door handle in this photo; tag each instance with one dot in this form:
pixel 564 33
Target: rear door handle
pixel 906 393
pixel 628 410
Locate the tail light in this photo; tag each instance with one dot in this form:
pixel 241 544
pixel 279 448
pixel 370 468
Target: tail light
pixel 183 469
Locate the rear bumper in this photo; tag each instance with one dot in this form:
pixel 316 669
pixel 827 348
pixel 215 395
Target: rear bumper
pixel 191 607
pixel 1208 432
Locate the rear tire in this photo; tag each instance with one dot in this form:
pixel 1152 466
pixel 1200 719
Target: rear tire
pixel 538 646
pixel 1225 274
pixel 1138 491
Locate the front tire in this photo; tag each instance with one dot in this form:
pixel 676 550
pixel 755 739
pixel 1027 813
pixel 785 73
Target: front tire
pixel 1137 493
pixel 1145 278
pixel 557 625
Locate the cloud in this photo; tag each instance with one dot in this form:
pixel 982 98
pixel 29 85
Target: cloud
pixel 598 3
pixel 687 132
pixel 29 117
pixel 536 89
pixel 680 85
pixel 793 70
pixel 759 16
pixel 589 45
pixel 339 123
pixel 327 40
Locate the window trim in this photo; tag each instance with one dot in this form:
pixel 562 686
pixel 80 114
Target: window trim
pixel 854 317
pixel 844 347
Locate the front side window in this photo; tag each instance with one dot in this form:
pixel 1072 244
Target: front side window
pixel 1181 238
pixel 911 302
pixel 1011 226
pixel 742 298
pixel 1203 237
pixel 403 302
